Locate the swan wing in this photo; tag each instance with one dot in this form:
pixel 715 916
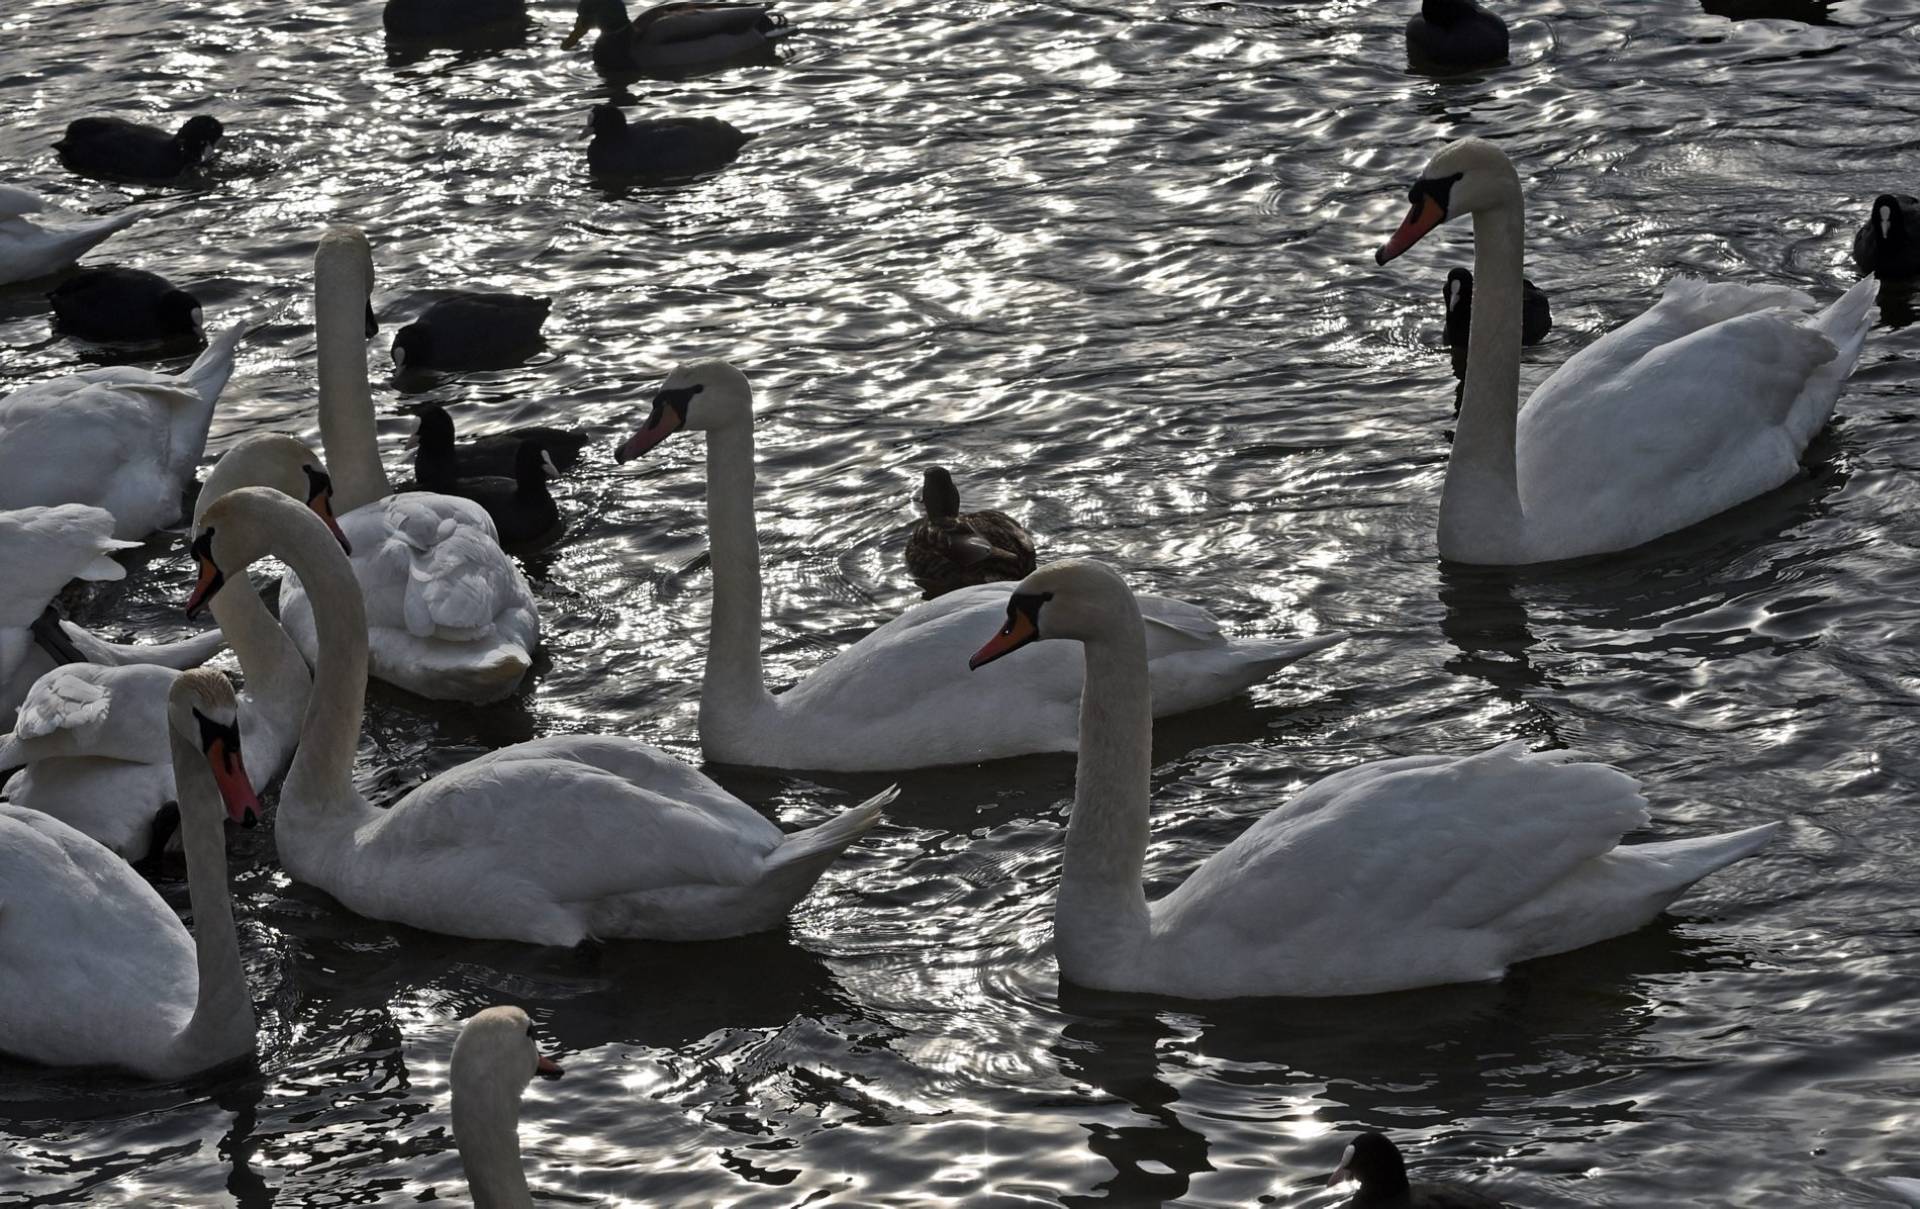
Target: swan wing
pixel 86 440
pixel 44 547
pixel 15 201
pixel 87 709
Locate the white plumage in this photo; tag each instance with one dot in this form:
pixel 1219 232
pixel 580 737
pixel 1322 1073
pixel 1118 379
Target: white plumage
pixel 29 250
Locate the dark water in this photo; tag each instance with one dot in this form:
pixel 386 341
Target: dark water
pixel 1113 265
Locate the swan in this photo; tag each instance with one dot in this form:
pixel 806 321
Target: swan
pixel 571 836
pixel 681 36
pixel 1456 33
pixel 43 549
pixel 95 968
pixel 472 331
pixel 452 617
pixel 123 439
pixel 659 148
pixel 125 306
pixel 118 149
pixel 437 459
pixel 1375 1162
pixel 29 251
pixel 897 698
pixel 951 549
pixel 1704 401
pixel 1382 877
pixel 88 739
pixel 1887 244
pixel 494 1058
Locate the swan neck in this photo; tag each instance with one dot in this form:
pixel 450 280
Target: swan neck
pixel 321 777
pixel 347 429
pixel 734 680
pixel 1480 503
pixel 1101 918
pixel 275 673
pixel 222 1024
pixel 486 1130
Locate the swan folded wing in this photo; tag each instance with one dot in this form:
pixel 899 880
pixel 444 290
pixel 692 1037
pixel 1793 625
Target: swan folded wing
pixel 1177 625
pixel 455 589
pixel 15 201
pixel 60 701
pixel 77 441
pixel 89 709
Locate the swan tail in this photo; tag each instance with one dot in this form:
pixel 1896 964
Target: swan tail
pixel 1844 324
pixel 1675 865
pixel 181 655
pixel 1259 660
pixel 208 375
pixel 815 847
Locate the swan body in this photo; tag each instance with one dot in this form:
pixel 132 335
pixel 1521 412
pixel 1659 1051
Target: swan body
pixel 682 37
pixel 1386 876
pixel 125 306
pixel 123 439
pixel 659 148
pixel 29 250
pixel 1704 401
pixel 95 968
pixel 493 1059
pixel 472 331
pixel 90 739
pixel 1375 1162
pixel 572 836
pixel 1888 243
pixel 950 549
pixel 452 618
pixel 121 150
pixel 901 697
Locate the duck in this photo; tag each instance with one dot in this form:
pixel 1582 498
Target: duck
pixel 522 508
pixel 1536 315
pixel 1888 243
pixel 951 549
pixel 1456 34
pixel 1387 876
pixel 682 37
pixel 627 841
pixel 29 251
pixel 472 331
pixel 119 438
pixel 494 1058
pixel 898 698
pixel 1375 1163
pixel 88 740
pixel 1704 401
pixel 95 967
pixel 44 549
pixel 458 20
pixel 438 460
pixel 659 148
pixel 452 617
pixel 121 150
pixel 125 306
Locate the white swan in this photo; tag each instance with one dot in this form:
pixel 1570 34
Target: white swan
pixel 493 1059
pixel 118 438
pixel 1704 401
pixel 900 697
pixel 549 842
pixel 90 740
pixel 42 549
pixel 450 616
pixel 95 968
pixel 29 251
pixel 1386 876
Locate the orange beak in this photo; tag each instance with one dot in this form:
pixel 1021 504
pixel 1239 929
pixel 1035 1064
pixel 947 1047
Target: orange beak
pixel 210 582
pixel 1018 632
pixel 322 506
pixel 663 423
pixel 235 789
pixel 1425 215
pixel 547 1068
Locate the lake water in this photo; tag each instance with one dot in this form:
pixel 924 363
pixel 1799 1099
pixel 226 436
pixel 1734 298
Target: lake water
pixel 1113 265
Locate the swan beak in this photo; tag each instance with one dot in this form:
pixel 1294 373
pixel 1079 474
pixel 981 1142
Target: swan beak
pixel 324 507
pixel 211 581
pixel 663 423
pixel 547 1068
pixel 1018 632
pixel 580 28
pixel 235 789
pixel 1425 215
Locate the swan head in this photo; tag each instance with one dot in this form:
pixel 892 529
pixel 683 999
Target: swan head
pixel 1466 176
pixel 1074 598
pixel 276 461
pixel 344 255
pixel 202 709
pixel 698 396
pixel 938 496
pixel 496 1055
pixel 1374 1161
pixel 236 531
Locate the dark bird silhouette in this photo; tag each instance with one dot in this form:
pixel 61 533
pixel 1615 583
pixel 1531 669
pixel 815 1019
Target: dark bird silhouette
pixel 123 150
pixel 659 148
pixel 1888 243
pixel 125 306
pixel 472 331
pixel 1456 34
pixel 1376 1163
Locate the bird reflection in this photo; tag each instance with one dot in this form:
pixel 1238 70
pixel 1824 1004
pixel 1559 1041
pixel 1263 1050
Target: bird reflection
pixel 1810 12
pixel 1895 301
pixel 1119 1054
pixel 1486 620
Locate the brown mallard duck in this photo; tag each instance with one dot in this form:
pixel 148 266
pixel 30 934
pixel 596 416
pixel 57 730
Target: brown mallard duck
pixel 953 549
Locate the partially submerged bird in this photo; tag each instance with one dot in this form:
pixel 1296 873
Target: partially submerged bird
pixel 473 331
pixel 125 306
pixel 685 37
pixel 453 22
pixel 1456 34
pixel 1376 1163
pixel 28 250
pixel 951 549
pixel 659 148
pixel 1536 315
pixel 521 506
pixel 439 460
pixel 123 150
pixel 1888 243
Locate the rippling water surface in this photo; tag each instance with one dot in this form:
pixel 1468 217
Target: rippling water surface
pixel 1112 263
